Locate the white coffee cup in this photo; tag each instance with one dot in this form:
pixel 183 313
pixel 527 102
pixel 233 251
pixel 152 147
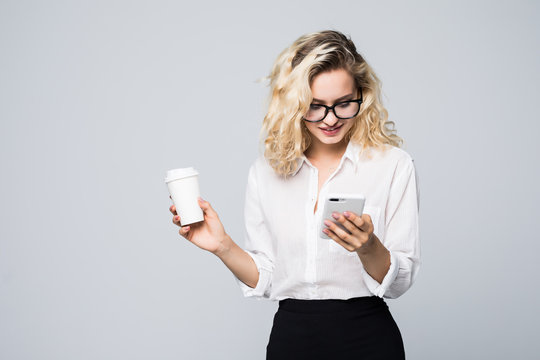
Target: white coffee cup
pixel 183 186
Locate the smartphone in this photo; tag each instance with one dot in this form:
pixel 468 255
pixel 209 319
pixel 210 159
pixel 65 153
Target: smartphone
pixel 340 202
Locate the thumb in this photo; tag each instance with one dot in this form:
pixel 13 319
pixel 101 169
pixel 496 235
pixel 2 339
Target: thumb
pixel 205 205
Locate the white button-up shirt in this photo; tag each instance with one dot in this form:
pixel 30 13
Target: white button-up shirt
pixel 282 230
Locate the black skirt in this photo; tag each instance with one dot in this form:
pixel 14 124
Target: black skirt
pixel 357 328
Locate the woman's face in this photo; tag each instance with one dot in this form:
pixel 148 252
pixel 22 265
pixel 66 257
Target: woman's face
pixel 329 88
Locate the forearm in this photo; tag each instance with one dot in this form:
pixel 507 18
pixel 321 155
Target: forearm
pixel 239 262
pixel 375 259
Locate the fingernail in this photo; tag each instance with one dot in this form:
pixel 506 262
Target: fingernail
pixel 176 217
pixel 326 222
pixel 325 231
pixel 346 214
pixel 335 215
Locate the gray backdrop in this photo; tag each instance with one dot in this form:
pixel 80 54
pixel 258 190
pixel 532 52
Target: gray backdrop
pixel 99 98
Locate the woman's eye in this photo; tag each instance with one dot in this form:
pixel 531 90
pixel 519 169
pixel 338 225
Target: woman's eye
pixel 344 105
pixel 314 107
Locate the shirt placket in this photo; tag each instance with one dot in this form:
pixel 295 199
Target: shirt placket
pixel 312 228
pixel 311 231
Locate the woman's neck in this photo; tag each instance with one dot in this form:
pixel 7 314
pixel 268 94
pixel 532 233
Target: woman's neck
pixel 320 152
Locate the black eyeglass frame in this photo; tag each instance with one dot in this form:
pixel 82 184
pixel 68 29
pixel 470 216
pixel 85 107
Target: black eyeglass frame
pixel 328 108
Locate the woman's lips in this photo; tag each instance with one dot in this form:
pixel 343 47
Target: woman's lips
pixel 333 132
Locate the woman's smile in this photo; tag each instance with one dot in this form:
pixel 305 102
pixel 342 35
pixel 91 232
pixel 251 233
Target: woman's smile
pixel 331 131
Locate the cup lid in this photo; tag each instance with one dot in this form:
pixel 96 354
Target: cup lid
pixel 181 173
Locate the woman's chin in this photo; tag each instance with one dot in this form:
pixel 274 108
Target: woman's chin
pixel 331 140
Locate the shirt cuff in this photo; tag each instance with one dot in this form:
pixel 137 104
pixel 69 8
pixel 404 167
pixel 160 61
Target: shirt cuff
pixel 380 289
pixel 262 289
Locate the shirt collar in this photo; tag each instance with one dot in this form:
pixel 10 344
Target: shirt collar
pixel 352 153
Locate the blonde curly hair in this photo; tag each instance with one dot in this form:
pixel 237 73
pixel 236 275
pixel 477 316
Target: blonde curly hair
pixel 285 135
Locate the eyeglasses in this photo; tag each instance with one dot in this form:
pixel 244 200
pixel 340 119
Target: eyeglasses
pixel 342 110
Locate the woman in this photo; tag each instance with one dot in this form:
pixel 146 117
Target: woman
pixel 325 131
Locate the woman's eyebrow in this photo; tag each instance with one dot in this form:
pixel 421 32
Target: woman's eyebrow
pixel 338 99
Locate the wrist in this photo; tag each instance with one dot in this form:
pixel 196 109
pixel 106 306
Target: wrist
pixel 224 247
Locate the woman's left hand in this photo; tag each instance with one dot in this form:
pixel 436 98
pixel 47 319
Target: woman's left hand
pixel 361 235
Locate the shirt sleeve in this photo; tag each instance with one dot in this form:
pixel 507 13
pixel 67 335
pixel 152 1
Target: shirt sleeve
pixel 401 234
pixel 257 240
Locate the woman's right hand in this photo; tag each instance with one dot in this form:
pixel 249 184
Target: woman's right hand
pixel 209 234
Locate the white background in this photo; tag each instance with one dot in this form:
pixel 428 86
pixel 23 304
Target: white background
pixel 99 98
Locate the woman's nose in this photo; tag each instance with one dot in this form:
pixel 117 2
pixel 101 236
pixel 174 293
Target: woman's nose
pixel 330 119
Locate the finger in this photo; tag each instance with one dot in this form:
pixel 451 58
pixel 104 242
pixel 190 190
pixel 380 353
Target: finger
pixel 206 207
pixel 342 234
pixel 367 225
pixel 176 220
pixel 349 225
pixel 173 210
pixel 184 230
pixel 358 221
pixel 337 239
